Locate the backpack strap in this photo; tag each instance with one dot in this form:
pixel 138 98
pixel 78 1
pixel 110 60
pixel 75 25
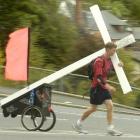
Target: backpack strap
pixel 101 57
pixel 103 60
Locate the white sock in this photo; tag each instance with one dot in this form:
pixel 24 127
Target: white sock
pixel 79 122
pixel 110 127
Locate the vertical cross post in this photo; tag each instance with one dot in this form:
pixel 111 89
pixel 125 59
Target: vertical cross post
pixel 106 38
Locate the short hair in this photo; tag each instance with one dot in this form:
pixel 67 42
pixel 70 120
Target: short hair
pixel 110 45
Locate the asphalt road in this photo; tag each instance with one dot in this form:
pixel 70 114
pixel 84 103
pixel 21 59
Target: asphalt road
pixel 11 128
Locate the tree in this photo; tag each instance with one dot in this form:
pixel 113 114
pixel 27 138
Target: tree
pixel 52 34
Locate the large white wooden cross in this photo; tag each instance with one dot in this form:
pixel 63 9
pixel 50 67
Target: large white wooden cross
pixel 64 71
pixel 68 69
pixel 106 38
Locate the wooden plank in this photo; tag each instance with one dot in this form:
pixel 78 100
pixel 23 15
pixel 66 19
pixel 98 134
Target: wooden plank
pixel 62 72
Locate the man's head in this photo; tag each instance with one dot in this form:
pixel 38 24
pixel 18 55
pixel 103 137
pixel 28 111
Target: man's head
pixel 110 48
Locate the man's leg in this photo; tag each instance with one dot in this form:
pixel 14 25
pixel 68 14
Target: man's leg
pixel 78 125
pixel 109 107
pixel 111 130
pixel 89 110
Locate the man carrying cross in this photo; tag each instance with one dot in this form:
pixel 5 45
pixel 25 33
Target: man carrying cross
pixel 101 91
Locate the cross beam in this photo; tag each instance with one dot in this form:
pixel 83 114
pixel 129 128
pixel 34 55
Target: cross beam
pixel 68 69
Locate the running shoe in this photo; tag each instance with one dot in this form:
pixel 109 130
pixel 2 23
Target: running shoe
pixel 114 132
pixel 78 128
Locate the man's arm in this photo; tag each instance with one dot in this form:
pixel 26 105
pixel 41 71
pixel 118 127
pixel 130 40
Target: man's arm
pixel 110 88
pixel 99 64
pixel 100 80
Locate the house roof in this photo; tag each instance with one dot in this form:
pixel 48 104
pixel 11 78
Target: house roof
pixel 111 21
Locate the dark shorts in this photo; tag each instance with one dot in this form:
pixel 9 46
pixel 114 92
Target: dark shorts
pixel 98 95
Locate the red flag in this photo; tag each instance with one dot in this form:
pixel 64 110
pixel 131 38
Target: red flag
pixel 17 55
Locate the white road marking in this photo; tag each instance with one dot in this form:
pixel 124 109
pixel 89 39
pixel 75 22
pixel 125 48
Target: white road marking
pixel 61 132
pixel 67 102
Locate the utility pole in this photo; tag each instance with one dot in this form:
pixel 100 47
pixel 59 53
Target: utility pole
pixel 78 15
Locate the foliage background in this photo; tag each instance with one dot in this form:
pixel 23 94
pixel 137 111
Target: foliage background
pixel 57 40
